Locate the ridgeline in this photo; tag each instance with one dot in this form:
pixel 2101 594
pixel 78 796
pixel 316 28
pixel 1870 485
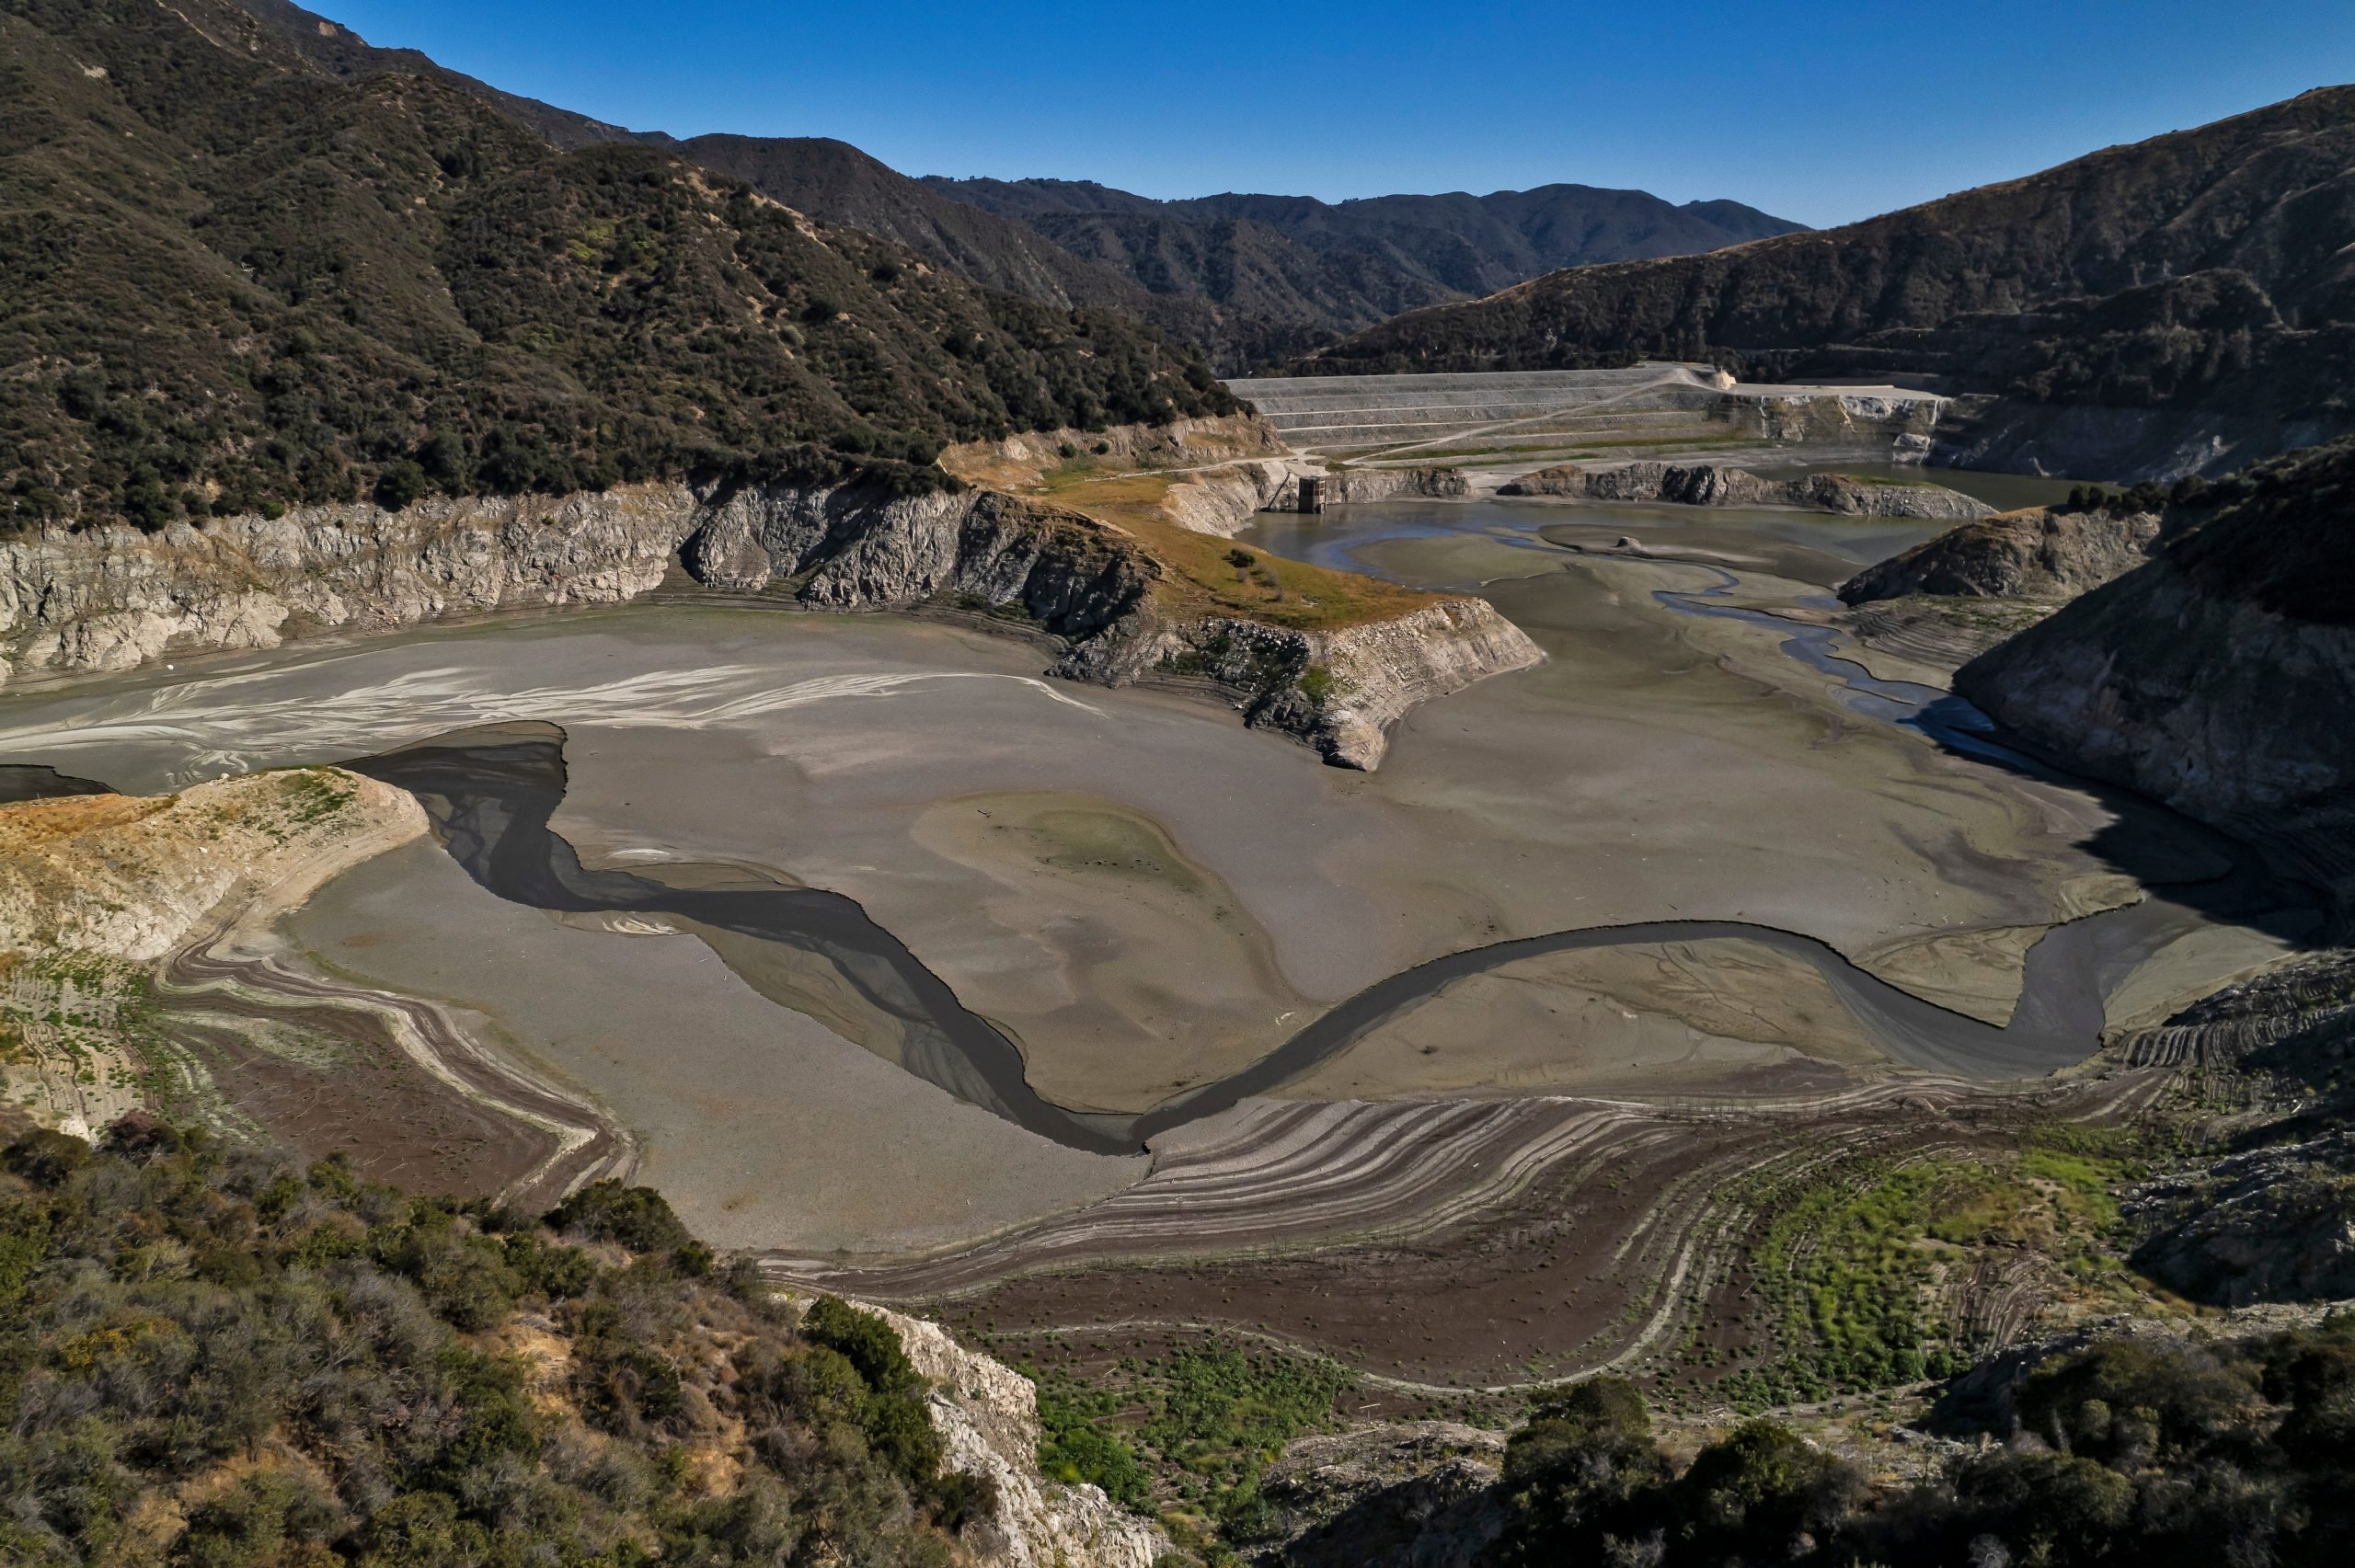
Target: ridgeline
pixel 2200 273
pixel 238 284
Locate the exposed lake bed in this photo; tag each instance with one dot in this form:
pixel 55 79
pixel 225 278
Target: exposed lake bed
pixel 1151 905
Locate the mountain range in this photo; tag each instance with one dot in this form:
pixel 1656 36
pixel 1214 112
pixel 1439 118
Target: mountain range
pixel 1346 264
pixel 238 281
pixel 2189 301
pixel 1252 280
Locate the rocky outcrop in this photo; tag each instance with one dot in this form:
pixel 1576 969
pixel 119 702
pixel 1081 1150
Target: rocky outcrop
pixel 987 1416
pixel 1340 690
pixel 2272 1225
pixel 114 598
pixel 1562 479
pixel 2038 554
pixel 2220 676
pixel 1423 1494
pixel 1848 496
pixel 111 599
pixel 129 877
pixel 1717 484
pixel 2223 709
pixel 854 547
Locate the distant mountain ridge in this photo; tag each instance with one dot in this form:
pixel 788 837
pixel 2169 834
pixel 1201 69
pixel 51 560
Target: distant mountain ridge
pixel 2186 302
pixel 1345 265
pixel 1459 241
pixel 1252 280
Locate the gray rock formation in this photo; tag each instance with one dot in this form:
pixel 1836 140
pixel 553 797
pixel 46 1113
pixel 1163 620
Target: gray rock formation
pixel 1423 1494
pixel 1717 484
pixel 2274 1224
pixel 987 1416
pixel 114 599
pixel 2036 553
pixel 1340 690
pixel 2227 710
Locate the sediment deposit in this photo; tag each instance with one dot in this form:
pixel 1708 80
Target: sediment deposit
pixel 129 877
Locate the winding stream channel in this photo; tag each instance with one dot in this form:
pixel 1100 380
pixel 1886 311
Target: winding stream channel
pixel 493 792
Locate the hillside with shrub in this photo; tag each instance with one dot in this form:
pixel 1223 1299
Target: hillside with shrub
pixel 2202 270
pixel 1334 267
pixel 236 283
pixel 218 1357
pixel 1252 280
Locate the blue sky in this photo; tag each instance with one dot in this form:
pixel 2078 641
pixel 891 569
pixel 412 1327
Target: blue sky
pixel 1819 110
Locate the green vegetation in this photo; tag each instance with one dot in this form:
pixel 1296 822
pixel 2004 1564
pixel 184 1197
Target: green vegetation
pixel 1080 1441
pixel 237 288
pixel 2128 1452
pixel 81 1028
pixel 1193 1427
pixel 218 1357
pixel 1856 1262
pixel 1197 578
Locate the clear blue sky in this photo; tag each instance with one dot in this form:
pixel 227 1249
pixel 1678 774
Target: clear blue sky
pixel 1821 111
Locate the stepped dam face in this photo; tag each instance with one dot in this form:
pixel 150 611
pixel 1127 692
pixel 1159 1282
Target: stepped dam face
pixel 1655 410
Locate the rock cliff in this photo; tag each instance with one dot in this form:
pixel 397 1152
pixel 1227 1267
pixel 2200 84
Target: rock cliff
pixel 112 598
pixel 2036 553
pixel 1714 485
pixel 987 1415
pixel 1340 690
pixel 2220 676
pixel 2224 710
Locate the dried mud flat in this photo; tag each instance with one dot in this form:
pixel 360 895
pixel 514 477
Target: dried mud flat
pixel 1143 896
pixel 1444 1247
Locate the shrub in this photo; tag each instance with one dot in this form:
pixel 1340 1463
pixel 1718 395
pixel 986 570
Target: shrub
pixel 637 1218
pixel 399 485
pixel 871 1345
pixel 45 1157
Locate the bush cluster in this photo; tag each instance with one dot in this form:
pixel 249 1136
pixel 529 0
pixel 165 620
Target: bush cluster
pixel 222 1358
pixel 2125 1452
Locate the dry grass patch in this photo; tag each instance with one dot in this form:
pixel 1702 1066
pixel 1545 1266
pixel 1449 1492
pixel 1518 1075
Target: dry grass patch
pixel 1200 576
